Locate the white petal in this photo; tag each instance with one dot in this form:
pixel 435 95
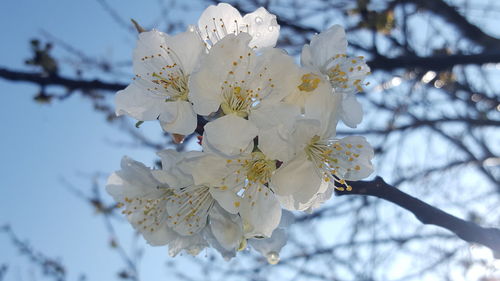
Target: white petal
pixel 171 179
pixel 297 178
pixel 188 47
pixel 217 21
pixel 275 123
pixel 304 130
pixel 169 158
pixel 191 244
pixel 184 122
pixel 205 84
pixel 355 158
pixel 260 211
pixel 227 228
pixel 327 44
pixel 324 193
pixel 140 104
pixel 321 198
pixel 133 180
pixel 207 169
pixel 185 49
pixel 160 237
pixel 271 115
pixel 272 244
pixel 263 27
pixel 352 111
pixel 230 134
pixel 306 57
pixel 304 84
pixel 324 107
pixel 227 199
pixel 214 243
pixel 272 63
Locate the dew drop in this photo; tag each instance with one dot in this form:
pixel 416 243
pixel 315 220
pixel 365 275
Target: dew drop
pixel 191 28
pixel 257 34
pixel 258 20
pixel 273 258
pixel 270 28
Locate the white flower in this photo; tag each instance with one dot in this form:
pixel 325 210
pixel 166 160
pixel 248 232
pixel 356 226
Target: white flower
pixel 327 54
pixel 309 85
pixel 248 174
pixel 236 80
pixel 162 66
pixel 144 198
pixel 319 161
pixel 218 21
pixel 193 206
pixel 167 208
pixel 277 123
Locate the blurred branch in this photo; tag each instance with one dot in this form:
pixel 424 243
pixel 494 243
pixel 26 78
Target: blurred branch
pixel 50 267
pixel 427 214
pixel 379 63
pixel 438 62
pixel 453 17
pixel 56 80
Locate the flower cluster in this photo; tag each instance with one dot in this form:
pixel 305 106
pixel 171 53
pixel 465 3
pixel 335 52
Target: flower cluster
pixel 267 125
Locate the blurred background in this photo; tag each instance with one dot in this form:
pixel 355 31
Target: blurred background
pixel 432 112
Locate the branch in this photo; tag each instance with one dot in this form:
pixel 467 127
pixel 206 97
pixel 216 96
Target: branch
pixel 56 80
pixel 427 214
pixel 379 63
pixel 438 62
pixel 452 16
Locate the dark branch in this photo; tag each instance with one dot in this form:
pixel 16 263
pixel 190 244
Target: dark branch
pixel 379 63
pixel 56 80
pixel 453 17
pixel 434 62
pixel 427 214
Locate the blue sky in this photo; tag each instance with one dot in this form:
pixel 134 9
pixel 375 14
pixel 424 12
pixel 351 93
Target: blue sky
pixel 42 144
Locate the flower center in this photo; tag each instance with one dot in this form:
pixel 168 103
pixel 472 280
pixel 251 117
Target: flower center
pixel 165 75
pixel 310 82
pixel 175 84
pixel 259 169
pixel 236 100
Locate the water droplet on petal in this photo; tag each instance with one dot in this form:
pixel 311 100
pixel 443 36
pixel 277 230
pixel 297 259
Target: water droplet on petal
pixel 273 258
pixel 270 28
pixel 258 20
pixel 191 28
pixel 257 34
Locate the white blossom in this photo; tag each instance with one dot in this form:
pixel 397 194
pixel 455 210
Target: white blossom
pixel 218 21
pixel 247 174
pixel 326 54
pixel 144 198
pixel 232 82
pixel 269 138
pixel 319 161
pixel 194 206
pixel 162 66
